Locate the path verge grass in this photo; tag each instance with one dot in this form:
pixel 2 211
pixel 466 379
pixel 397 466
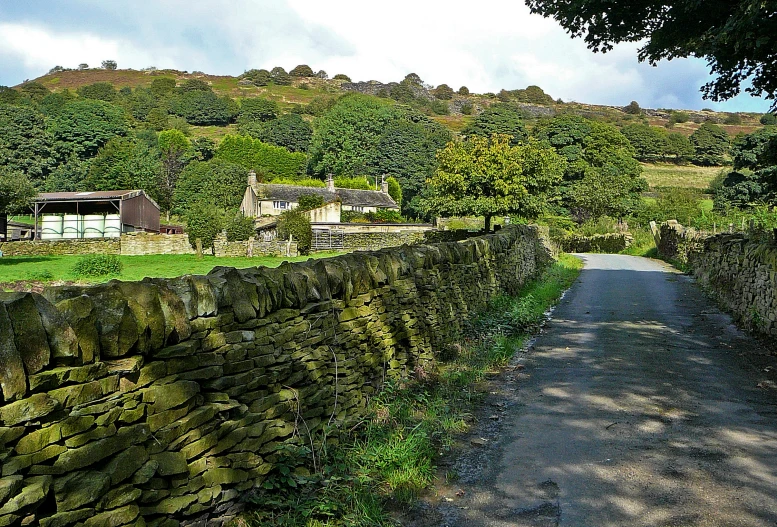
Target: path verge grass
pixel 387 461
pixel 61 268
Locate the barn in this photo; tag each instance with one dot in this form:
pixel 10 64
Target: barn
pixel 99 214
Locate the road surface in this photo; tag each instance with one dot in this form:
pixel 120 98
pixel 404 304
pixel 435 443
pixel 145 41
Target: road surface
pixel 639 405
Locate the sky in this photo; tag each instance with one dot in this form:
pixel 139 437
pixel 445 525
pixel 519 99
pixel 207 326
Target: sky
pixel 486 45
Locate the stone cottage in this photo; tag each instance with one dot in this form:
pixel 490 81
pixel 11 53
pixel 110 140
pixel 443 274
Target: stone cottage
pixel 265 199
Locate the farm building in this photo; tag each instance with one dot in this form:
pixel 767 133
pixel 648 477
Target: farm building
pixel 261 199
pixel 100 214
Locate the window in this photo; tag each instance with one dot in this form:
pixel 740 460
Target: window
pixel 280 205
pixel 357 208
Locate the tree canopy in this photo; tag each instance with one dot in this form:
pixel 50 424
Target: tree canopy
pixel 16 191
pixel 488 177
pixel 499 119
pixel 737 37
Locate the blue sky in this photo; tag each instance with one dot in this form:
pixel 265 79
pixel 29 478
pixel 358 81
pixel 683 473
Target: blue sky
pixel 486 45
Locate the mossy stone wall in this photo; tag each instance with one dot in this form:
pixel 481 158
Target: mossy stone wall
pixel 160 402
pixel 738 270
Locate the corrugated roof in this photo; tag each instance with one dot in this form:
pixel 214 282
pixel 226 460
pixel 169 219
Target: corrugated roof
pixel 87 196
pixel 351 197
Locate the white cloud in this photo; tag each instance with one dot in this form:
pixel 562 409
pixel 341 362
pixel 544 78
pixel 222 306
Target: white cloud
pixel 40 49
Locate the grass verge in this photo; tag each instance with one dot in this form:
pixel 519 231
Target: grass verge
pixel 62 268
pixel 388 460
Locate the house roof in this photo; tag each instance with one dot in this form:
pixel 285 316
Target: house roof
pixel 352 197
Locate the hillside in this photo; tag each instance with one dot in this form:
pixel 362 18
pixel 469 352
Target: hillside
pixel 303 91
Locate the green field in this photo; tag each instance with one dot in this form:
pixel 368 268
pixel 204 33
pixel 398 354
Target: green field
pixel 670 175
pixel 60 268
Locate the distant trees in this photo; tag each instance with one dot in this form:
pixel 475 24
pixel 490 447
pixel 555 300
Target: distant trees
pixel 303 70
pixel 26 146
pixel 768 119
pixel 216 182
pixel 633 108
pixel 84 125
pixel 488 177
pixel 754 178
pixel 203 107
pixel 267 160
pixel 463 91
pixel 710 143
pixel 498 119
pixel 100 91
pixel 109 65
pixel 443 92
pixel 290 131
pixel 342 77
pixel 280 77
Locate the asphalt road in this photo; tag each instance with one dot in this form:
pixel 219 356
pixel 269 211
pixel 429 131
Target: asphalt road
pixel 639 405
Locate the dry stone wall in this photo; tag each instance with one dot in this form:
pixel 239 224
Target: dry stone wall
pixel 61 247
pixel 739 270
pixel 160 402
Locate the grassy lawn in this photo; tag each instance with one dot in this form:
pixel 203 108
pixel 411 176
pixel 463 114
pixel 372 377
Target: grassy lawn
pixel 670 175
pixel 49 268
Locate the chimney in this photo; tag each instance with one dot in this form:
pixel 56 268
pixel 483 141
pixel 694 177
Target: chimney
pixel 330 183
pixel 252 179
pixel 383 184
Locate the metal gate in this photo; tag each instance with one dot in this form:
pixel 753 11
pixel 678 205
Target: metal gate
pixel 325 239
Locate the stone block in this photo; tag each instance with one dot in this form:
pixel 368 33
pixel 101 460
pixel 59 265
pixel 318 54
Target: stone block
pixel 125 464
pixel 170 463
pixel 114 518
pixel 166 396
pixel 33 407
pixel 73 491
pixel 13 380
pixel 29 333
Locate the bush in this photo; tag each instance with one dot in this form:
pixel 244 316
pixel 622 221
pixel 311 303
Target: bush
pixel 633 108
pixel 254 154
pixel 303 70
pixel 733 118
pixel 97 265
pixel 309 202
pixel 293 224
pixel 394 190
pixel 352 216
pixel 679 117
pixel 463 90
pixel 240 228
pixel 359 183
pixel 440 107
pixel 342 77
pixel 466 108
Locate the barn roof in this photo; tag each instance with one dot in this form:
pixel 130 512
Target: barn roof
pixel 97 195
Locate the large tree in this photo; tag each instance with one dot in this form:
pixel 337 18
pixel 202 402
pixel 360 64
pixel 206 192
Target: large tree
pixel 737 37
pixel 488 177
pixel 16 191
pixel 83 126
pixel 25 145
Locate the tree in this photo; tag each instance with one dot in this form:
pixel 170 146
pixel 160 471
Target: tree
pixel 280 77
pixel 16 191
pixel 109 65
pixel 254 111
pixel 443 92
pixel 53 103
pixel 174 147
pixel 633 108
pixel 125 163
pixel 321 74
pixel 34 90
pixel 84 125
pixel 602 192
pixel 309 202
pixel 9 95
pixel 216 182
pixel 162 87
pixel 735 36
pixel 100 91
pixel 394 190
pixel 303 70
pixel 413 79
pixel 487 177
pixel 406 151
pixel 25 144
pixel 679 147
pixel 342 77
pixel 200 107
pixel 203 222
pixel 290 131
pixel 768 119
pixel 345 138
pixel 498 119
pixel 463 90
pixel 650 143
pixel 190 85
pixel 83 66
pixel 294 224
pixel 710 143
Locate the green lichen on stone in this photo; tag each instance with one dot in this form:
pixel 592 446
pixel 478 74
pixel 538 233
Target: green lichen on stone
pixel 76 489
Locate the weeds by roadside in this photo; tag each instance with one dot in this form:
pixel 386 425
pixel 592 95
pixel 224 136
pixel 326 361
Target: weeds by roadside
pixel 387 461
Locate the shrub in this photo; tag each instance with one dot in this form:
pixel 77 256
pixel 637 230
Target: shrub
pixel 342 77
pixel 97 265
pixel 394 190
pixel 633 108
pixel 443 92
pixel 352 216
pixel 466 108
pixel 303 70
pixel 463 90
pixel 240 228
pixel 440 107
pixel 309 202
pixel 293 224
pixel 679 117
pixel 254 154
